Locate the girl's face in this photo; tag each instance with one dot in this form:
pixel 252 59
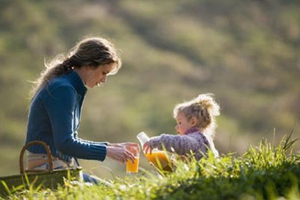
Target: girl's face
pixel 96 76
pixel 182 123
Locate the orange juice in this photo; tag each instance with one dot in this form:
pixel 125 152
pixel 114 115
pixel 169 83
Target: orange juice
pixel 132 167
pixel 160 160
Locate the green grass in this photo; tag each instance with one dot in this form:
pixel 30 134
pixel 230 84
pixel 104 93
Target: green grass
pixel 266 171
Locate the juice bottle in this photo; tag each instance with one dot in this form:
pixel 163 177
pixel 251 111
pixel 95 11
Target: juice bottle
pixel 158 158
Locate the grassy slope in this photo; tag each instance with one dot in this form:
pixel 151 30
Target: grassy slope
pixel 263 172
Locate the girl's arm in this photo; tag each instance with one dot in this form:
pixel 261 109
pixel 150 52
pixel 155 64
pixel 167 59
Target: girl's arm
pixel 180 144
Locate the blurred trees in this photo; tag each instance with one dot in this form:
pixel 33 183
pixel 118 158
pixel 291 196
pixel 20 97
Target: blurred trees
pixel 247 53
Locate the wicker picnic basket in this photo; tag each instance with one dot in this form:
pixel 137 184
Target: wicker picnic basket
pixel 37 178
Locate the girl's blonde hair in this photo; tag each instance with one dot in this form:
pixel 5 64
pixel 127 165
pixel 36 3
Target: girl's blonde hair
pixel 91 51
pixel 204 108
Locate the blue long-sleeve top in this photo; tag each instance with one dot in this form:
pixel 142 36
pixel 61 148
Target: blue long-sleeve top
pixel 54 117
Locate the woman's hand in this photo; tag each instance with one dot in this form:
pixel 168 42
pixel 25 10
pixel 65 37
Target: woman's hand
pixel 119 151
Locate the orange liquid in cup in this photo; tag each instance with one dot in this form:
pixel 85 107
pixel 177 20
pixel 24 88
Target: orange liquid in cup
pixel 160 160
pixel 132 167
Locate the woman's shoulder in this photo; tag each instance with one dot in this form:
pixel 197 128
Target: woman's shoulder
pixel 70 81
pixel 66 81
pixel 59 82
pixel 57 85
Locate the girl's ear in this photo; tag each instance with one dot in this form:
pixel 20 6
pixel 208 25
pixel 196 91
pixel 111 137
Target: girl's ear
pixel 194 121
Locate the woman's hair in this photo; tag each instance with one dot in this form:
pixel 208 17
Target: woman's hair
pixel 91 51
pixel 204 108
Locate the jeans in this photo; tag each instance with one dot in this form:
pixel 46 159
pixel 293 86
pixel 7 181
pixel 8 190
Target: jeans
pixel 94 180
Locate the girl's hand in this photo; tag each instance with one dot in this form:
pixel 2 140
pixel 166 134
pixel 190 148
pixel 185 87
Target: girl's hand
pixel 147 148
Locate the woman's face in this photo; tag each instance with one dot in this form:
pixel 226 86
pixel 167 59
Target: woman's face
pixel 96 76
pixel 182 123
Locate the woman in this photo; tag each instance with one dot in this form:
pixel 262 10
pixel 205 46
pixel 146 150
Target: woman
pixel 55 109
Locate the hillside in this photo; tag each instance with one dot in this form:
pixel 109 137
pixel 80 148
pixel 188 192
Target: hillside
pixel 246 53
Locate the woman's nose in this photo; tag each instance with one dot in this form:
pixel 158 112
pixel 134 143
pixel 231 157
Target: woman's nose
pixel 103 79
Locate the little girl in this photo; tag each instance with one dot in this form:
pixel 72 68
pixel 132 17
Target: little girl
pixel 195 127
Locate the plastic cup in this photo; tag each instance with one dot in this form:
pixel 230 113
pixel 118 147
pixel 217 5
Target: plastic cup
pixel 133 167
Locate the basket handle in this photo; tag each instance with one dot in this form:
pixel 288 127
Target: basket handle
pixel 50 159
